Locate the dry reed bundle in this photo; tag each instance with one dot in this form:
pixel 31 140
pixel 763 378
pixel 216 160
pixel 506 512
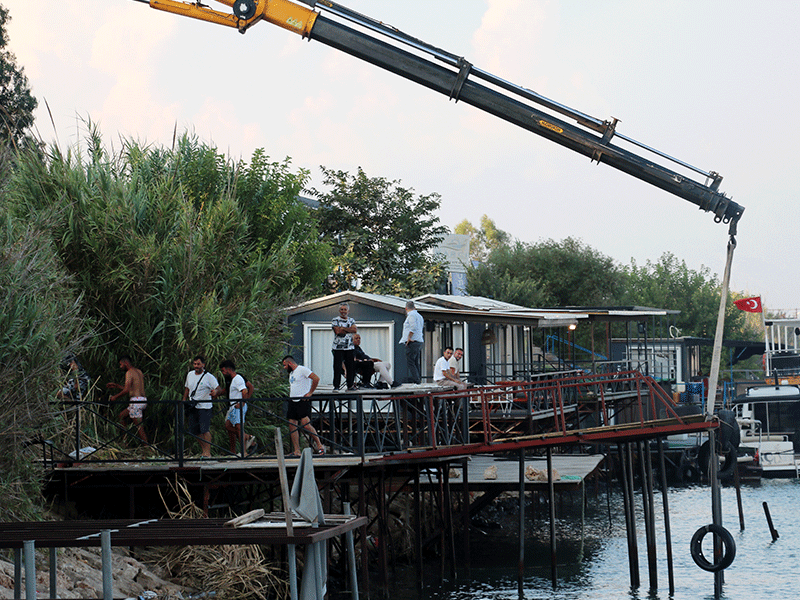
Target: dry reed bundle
pixel 231 571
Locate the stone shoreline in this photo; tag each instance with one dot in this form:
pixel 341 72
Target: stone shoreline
pixel 80 576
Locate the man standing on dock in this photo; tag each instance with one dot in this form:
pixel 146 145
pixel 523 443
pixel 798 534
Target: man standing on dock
pixel 198 390
pixel 344 326
pixel 413 338
pixel 134 387
pixel 302 383
pixel 238 391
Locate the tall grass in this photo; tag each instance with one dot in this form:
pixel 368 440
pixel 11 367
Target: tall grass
pixel 172 252
pixel 40 317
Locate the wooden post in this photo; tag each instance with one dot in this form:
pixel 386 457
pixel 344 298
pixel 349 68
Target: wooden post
pixel 521 560
pixel 667 533
pixel 465 511
pixel 552 493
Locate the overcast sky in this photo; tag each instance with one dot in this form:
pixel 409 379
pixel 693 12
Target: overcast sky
pixel 713 83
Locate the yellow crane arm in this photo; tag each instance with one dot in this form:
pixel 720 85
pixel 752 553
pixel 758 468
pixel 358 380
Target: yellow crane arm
pixel 282 13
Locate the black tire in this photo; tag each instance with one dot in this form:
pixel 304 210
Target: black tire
pixel 725 471
pixel 728 548
pixel 728 432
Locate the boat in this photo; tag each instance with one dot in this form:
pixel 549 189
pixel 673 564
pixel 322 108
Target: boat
pixel 782 351
pixel 773 450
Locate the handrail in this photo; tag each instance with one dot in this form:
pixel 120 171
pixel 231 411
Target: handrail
pixel 365 423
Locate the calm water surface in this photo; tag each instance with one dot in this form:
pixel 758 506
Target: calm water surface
pixel 597 568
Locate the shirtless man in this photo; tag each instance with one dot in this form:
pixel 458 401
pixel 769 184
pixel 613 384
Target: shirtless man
pixel 134 387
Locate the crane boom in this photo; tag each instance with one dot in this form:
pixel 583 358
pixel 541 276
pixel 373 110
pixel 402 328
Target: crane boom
pixel 451 75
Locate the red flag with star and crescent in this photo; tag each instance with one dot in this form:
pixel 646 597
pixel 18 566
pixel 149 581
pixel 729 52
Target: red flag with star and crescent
pixel 749 304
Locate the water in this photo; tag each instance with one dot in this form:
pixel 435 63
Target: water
pixel 599 568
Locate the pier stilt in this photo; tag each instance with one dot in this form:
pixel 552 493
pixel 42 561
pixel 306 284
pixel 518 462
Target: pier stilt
pixel 552 501
pixel 418 527
pixel 521 533
pixel 737 484
pixel 667 533
pixel 646 469
pixel 465 512
pixel 448 512
pixel 626 460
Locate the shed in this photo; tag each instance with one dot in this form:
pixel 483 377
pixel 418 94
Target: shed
pixel 458 321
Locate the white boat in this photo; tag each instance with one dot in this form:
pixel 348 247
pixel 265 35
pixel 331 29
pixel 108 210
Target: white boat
pixel 774 450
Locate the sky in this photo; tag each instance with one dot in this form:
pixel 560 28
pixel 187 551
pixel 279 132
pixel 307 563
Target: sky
pixel 715 84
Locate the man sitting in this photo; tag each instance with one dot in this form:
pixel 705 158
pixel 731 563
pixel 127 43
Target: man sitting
pixel 443 375
pixel 368 366
pixel 458 354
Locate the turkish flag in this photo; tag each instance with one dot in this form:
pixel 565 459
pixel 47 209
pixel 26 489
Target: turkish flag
pixel 749 304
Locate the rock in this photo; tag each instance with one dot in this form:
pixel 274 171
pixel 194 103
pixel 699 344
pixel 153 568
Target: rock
pixel 80 576
pixel 532 474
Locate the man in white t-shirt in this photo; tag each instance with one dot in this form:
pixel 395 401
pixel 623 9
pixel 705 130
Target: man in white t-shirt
pixel 238 391
pixel 198 390
pixel 302 383
pixel 458 354
pixel 443 376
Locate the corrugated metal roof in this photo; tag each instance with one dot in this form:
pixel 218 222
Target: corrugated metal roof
pixel 443 307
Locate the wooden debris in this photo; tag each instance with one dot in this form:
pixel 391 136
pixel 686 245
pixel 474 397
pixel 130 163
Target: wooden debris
pixel 253 515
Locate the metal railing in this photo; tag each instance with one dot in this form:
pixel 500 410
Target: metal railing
pixel 362 424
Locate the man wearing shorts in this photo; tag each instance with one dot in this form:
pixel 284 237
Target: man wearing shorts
pixel 238 391
pixel 198 389
pixel 134 387
pixel 302 383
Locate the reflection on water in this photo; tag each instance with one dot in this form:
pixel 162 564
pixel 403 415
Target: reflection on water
pixel 762 569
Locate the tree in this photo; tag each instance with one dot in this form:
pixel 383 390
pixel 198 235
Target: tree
pixel 499 278
pixel 670 283
pixel 485 240
pixel 16 102
pixel 549 273
pixel 381 234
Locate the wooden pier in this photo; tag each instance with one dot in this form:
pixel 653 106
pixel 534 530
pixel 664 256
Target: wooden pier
pixel 422 447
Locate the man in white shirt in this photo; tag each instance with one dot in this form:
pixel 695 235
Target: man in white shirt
pixel 238 391
pixel 443 376
pixel 458 354
pixel 198 390
pixel 302 383
pixel 413 338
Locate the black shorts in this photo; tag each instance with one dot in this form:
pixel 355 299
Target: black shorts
pixel 198 420
pixel 298 409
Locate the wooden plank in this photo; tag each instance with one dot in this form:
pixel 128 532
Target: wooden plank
pixel 253 515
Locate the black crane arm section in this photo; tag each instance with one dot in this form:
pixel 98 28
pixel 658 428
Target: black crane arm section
pixel 448 74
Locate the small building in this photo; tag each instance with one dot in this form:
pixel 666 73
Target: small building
pixel 501 341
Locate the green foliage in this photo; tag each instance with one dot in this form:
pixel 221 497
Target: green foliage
pixel 39 320
pixel 549 273
pixel 16 102
pixel 485 240
pixel 669 283
pixel 499 279
pixel 176 252
pixel 380 233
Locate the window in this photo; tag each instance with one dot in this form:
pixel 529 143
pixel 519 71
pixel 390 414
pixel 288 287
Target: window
pixel 377 340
